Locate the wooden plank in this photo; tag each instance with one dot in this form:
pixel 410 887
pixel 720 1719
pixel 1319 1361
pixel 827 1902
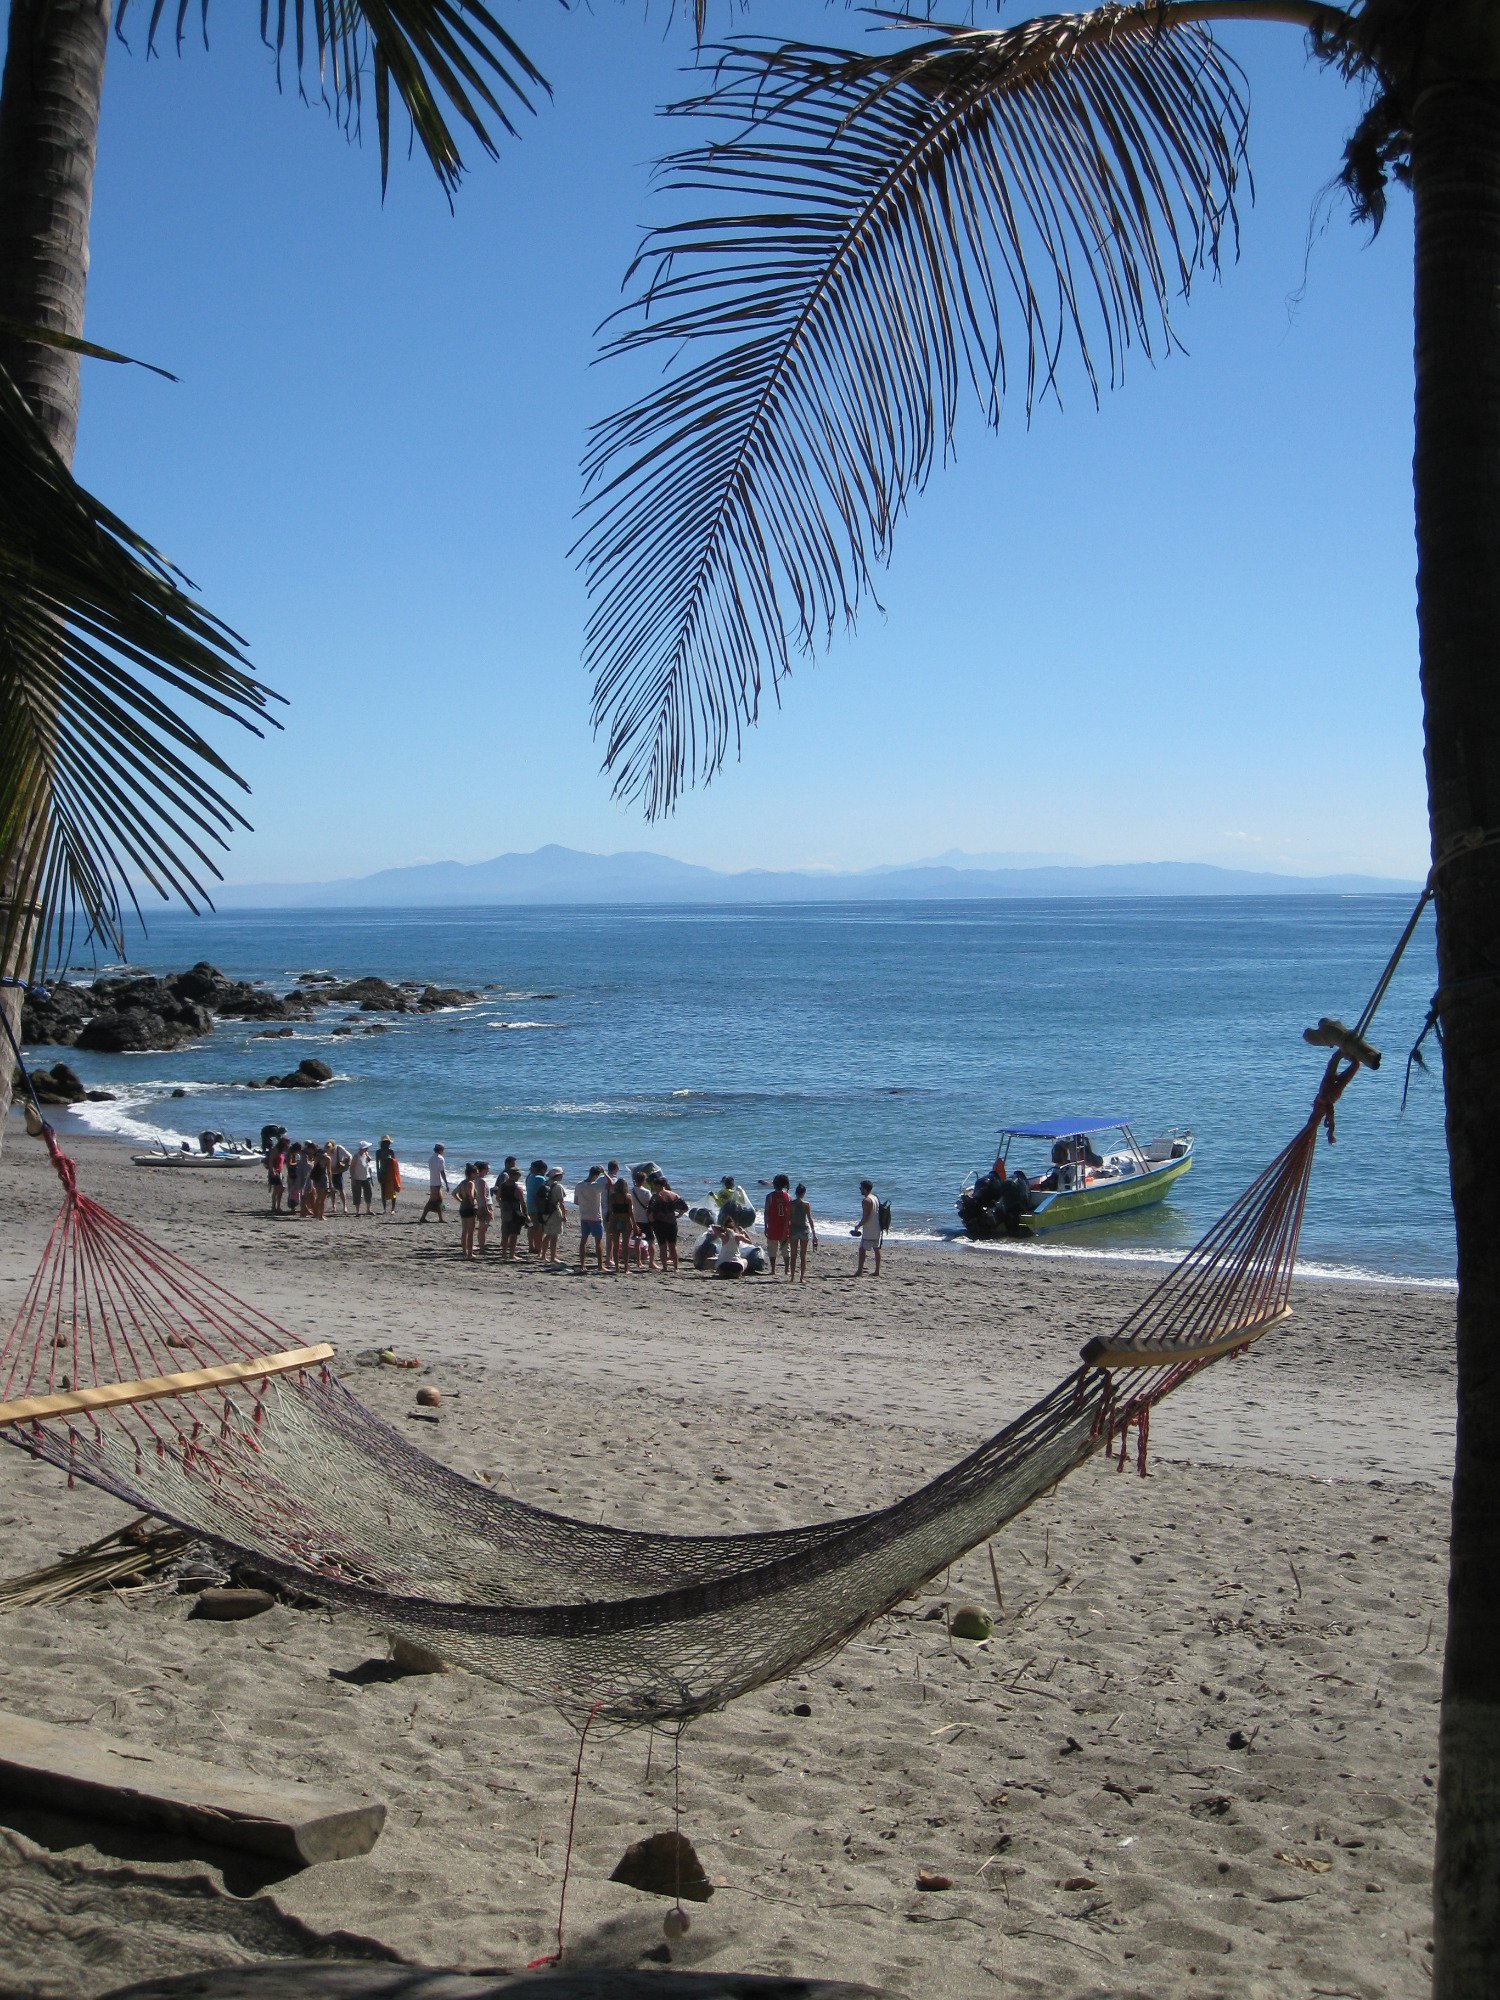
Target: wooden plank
pixel 75 1770
pixel 154 1388
pixel 1103 1353
pixel 335 1979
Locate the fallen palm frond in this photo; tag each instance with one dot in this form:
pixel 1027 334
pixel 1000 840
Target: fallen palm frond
pixel 129 1555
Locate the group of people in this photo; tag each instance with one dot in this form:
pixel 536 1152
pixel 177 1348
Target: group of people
pixel 313 1181
pixel 627 1219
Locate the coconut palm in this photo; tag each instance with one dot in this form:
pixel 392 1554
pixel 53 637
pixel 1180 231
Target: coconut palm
pixel 104 786
pixel 868 236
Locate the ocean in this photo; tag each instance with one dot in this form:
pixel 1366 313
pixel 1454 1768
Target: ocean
pixel 835 1043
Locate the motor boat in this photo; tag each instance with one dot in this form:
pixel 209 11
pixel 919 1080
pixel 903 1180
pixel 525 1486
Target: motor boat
pixel 1081 1181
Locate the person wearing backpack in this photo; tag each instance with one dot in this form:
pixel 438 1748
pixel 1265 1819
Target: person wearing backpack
pixel 779 1224
pixel 873 1215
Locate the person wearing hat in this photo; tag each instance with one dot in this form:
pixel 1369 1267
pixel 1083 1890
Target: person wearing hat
pixel 554 1215
pixel 387 1172
pixel 362 1178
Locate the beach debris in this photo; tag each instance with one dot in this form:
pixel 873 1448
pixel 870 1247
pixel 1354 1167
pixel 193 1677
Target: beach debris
pixel 1080 1882
pixel 129 1557
pixel 226 1606
pixel 675 1924
pixel 931 1882
pixel 971 1621
pixel 1314 1864
pixel 196 1576
pixel 410 1658
pixel 934 1614
pixel 246 1576
pixel 429 1398
pixel 1238 1740
pixel 389 1358
pixel 802 1708
pixel 664 1864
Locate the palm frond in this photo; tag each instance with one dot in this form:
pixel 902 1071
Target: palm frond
pixel 433 53
pixel 103 785
pixel 876 232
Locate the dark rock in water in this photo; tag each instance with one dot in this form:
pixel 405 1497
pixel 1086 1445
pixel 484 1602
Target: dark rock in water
pixel 56 1019
pixel 244 1002
pixel 320 1072
pixel 343 1031
pixel 272 1034
pixel 371 995
pixel 378 1028
pixel 317 979
pixel 100 1096
pixel 179 1092
pixel 664 1864
pixel 432 998
pixel 59 1085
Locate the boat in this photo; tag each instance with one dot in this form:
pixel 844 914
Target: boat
pixel 212 1151
pixel 1081 1181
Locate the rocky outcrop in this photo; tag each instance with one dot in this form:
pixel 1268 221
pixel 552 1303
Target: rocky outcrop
pixel 59 1085
pixel 410 996
pixel 310 1074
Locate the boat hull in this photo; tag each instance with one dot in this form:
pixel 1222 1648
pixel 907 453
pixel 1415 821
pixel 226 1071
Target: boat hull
pixel 198 1162
pixel 1113 1197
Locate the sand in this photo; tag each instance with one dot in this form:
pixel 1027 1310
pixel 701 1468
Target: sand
pixel 1196 1758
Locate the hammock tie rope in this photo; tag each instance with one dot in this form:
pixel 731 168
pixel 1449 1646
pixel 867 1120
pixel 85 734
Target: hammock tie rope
pixel 256 1447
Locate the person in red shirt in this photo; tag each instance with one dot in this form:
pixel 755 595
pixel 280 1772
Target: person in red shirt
pixel 779 1224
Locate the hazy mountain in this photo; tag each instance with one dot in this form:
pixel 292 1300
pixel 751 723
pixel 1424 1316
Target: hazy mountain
pixel 562 875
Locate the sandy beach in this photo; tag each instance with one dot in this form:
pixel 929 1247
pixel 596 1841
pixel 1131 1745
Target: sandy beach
pixel 1196 1758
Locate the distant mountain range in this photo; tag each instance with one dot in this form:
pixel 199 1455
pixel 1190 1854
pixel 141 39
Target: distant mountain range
pixel 562 875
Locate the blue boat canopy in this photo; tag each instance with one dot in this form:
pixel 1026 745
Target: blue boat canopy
pixel 1073 1125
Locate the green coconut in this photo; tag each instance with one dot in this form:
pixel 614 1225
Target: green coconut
pixel 971 1621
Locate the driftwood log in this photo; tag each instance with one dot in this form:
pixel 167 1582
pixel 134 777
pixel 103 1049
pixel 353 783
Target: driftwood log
pixel 323 1979
pixel 75 1770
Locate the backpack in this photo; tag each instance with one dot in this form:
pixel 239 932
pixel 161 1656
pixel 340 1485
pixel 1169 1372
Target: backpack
pixel 885 1217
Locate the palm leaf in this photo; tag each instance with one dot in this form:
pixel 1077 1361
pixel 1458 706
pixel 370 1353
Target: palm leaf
pixel 104 787
pixel 875 232
pixel 432 53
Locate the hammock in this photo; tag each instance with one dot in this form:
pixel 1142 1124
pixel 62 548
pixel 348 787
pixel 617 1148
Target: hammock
pixel 127 1368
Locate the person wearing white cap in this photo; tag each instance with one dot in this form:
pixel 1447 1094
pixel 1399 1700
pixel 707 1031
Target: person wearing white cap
pixel 362 1178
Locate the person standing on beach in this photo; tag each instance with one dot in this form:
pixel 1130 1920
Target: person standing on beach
pixel 387 1172
pixel 362 1178
pixel 468 1213
pixel 618 1223
pixel 869 1228
pixel 483 1203
pixel 276 1173
pixel 536 1205
pixel 589 1198
pixel 640 1216
pixel 319 1181
pixel 666 1206
pixel 340 1161
pixel 554 1215
pixel 801 1230
pixel 511 1196
pixel 779 1224
pixel 437 1185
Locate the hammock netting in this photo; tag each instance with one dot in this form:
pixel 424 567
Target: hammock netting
pixel 127 1368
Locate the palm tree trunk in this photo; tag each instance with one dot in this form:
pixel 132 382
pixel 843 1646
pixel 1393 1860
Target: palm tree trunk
pixel 1456 187
pixel 49 134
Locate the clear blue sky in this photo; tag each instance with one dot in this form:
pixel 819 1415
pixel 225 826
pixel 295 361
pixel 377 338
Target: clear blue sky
pixel 1181 626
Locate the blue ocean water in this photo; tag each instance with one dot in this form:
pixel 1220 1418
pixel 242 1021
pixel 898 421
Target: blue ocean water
pixel 836 1042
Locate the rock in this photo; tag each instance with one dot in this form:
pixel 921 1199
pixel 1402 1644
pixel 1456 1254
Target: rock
pixel 317 979
pixel 179 1092
pixel 272 1034
pixel 929 1880
pixel 145 1024
pixel 343 1031
pixel 227 1605
pixel 379 1028
pixel 410 1658
pixel 58 1085
pixel 802 1708
pixel 664 1864
pixel 432 998
pixel 1080 1882
pixel 971 1621
pixel 429 1398
pixel 100 1096
pixel 370 995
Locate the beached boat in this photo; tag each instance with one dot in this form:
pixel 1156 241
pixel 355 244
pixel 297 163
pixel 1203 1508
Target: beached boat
pixel 1080 1182
pixel 226 1153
